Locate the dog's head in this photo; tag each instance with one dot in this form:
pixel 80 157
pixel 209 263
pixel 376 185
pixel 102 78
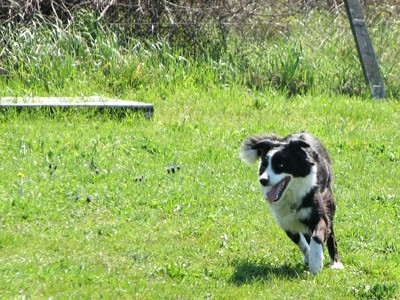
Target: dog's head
pixel 285 166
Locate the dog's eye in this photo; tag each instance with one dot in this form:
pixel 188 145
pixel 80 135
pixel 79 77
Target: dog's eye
pixel 280 166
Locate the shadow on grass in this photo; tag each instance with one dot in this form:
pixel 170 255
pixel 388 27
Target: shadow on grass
pixel 248 272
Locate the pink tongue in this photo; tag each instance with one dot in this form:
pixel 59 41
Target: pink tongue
pixel 273 194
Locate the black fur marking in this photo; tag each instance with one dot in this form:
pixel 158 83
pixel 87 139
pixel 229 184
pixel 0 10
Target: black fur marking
pixel 293 162
pixel 263 165
pixel 317 239
pixel 332 247
pixel 295 237
pixel 317 212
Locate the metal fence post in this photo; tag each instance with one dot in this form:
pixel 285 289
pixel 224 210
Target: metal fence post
pixel 365 49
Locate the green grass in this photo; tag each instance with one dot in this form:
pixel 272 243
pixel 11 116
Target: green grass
pixel 315 54
pixel 203 231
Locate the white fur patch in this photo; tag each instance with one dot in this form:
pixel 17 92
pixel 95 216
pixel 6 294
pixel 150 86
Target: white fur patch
pixel 337 265
pixel 300 186
pixel 248 155
pixel 316 257
pixel 304 248
pixel 289 219
pixel 286 210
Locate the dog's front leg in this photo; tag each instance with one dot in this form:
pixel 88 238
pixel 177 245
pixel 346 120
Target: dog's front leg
pixel 301 242
pixel 317 241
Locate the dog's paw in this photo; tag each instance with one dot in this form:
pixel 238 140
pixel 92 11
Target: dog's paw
pixel 337 265
pixel 316 258
pixel 315 266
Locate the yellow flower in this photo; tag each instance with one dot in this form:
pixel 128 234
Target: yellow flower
pixel 20 174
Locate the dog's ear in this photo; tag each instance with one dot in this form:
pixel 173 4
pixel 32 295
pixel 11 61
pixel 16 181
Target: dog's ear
pixel 255 146
pixel 298 144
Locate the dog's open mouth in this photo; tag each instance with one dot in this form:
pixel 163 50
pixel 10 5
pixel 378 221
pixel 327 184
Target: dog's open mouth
pixel 277 190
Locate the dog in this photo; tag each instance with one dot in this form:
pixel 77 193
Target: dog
pixel 296 179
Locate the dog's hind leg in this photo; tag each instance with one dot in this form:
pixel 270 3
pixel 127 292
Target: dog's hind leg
pixel 333 251
pixel 301 242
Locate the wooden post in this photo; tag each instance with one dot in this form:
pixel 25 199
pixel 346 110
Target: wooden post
pixel 365 49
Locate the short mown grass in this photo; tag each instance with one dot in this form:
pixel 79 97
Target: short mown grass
pixel 90 207
pixel 78 220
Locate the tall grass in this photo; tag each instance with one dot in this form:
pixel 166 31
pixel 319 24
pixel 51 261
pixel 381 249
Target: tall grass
pixel 315 54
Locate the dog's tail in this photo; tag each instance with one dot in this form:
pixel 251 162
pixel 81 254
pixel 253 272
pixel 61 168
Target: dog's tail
pixel 256 145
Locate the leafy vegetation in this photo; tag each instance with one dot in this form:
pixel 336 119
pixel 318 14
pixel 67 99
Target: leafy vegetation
pixel 312 53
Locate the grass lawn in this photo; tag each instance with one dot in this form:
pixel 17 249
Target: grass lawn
pixel 89 209
pixel 92 208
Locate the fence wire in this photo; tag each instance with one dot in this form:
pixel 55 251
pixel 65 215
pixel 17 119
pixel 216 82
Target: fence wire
pixel 160 13
pixel 161 18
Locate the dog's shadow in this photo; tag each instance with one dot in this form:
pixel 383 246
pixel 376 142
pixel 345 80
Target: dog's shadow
pixel 248 272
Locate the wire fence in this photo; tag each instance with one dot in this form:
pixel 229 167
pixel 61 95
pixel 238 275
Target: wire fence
pixel 184 21
pixel 148 16
pixel 187 20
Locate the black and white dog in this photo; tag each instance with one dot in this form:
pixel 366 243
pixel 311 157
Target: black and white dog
pixel 296 179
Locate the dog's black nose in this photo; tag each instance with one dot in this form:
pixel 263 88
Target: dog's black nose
pixel 264 181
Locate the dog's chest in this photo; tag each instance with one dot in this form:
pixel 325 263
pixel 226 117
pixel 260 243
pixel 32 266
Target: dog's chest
pixel 290 218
